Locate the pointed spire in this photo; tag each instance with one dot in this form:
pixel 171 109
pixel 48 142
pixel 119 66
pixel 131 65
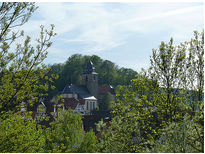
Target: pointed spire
pixel 89 68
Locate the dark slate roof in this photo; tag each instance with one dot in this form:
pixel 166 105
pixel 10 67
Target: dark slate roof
pixel 81 90
pixel 89 68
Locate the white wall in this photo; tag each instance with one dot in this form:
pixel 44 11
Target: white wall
pixel 69 95
pixel 90 105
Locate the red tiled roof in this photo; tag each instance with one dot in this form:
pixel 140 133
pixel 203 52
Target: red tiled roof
pixel 72 102
pixel 105 88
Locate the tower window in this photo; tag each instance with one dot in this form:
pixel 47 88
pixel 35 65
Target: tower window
pixel 86 78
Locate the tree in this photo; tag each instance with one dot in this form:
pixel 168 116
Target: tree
pixel 125 75
pixel 180 71
pixel 22 73
pixel 106 102
pixel 167 67
pixel 71 72
pixel 134 125
pixel 89 143
pixel 195 68
pixel 20 134
pixel 66 135
pixel 152 114
pixel 182 137
pixel 22 70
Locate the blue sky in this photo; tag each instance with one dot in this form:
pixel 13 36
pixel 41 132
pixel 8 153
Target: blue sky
pixel 124 33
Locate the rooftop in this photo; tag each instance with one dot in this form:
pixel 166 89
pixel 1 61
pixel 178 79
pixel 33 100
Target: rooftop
pixel 81 90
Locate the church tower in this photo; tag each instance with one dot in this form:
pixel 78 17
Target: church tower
pixel 90 78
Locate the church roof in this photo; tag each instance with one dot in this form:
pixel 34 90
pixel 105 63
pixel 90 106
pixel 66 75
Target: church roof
pixel 89 68
pixel 81 90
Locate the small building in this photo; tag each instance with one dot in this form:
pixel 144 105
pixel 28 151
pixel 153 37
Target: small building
pixel 82 98
pixel 78 98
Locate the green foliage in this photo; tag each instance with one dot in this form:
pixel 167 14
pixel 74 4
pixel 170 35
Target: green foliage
pixel 100 125
pixel 134 121
pixel 167 65
pixel 19 134
pixel 65 134
pixel 118 138
pixel 72 69
pixel 107 102
pixel 162 109
pixel 21 72
pixel 89 143
pixel 23 78
pixel 182 137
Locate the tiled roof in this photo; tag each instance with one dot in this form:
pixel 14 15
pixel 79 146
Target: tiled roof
pixel 72 102
pixel 81 90
pixel 105 88
pixel 71 88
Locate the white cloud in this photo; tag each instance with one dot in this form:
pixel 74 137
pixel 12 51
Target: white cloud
pixel 179 22
pixel 56 55
pixel 93 23
pixel 104 26
pixel 160 14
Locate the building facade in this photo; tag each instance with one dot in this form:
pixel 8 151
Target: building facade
pixel 82 98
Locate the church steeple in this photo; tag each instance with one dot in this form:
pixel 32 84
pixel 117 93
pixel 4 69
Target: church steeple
pixel 89 68
pixel 90 78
